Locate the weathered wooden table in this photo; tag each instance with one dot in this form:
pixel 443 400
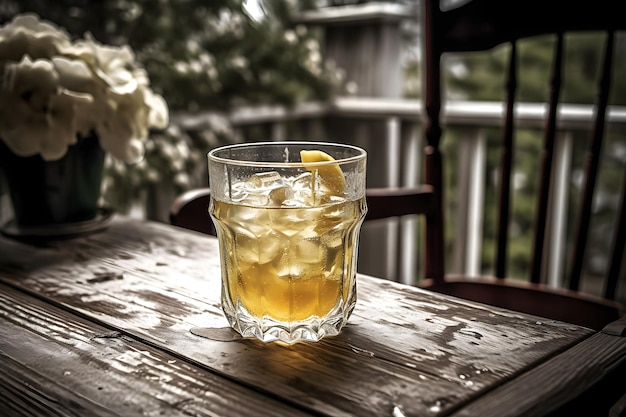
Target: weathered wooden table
pixel 107 324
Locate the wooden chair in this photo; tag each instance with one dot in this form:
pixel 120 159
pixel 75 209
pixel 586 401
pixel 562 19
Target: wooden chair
pixel 481 25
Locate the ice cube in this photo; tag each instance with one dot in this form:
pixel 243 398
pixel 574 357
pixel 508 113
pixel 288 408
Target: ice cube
pixel 259 249
pixel 301 191
pixel 265 180
pixel 238 192
pixel 242 216
pixel 248 220
pixel 333 239
pixel 255 200
pixel 302 181
pixel 270 247
pixel 262 190
pixel 280 194
pixel 290 271
pixel 331 218
pixel 309 251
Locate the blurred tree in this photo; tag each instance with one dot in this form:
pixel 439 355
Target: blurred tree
pixel 200 55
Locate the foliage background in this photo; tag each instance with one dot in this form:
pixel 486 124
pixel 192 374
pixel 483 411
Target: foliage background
pixel 201 56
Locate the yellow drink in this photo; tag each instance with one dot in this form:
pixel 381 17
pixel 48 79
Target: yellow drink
pixel 288 263
pixel 288 216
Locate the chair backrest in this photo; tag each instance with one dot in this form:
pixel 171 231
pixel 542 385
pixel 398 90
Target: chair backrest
pixel 482 25
pixel 190 209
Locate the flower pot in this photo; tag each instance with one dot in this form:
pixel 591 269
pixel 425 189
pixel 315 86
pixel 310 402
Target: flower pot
pixel 64 191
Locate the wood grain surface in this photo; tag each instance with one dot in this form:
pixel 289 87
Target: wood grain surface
pixel 108 321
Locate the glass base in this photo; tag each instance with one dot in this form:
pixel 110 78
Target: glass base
pixel 267 329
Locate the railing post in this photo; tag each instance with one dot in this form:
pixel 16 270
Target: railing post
pixel 392 140
pixel 279 131
pixel 409 227
pixel 470 202
pixel 557 211
pixel 394 158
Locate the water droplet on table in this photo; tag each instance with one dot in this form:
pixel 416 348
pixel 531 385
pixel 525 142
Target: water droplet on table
pixel 438 405
pixel 397 412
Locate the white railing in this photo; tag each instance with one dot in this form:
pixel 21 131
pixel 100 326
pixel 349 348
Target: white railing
pixel 400 147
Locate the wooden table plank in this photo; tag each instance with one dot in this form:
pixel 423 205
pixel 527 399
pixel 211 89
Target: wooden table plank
pixel 55 363
pixel 549 387
pixel 410 352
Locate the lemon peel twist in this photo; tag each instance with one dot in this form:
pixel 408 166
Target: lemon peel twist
pixel 330 175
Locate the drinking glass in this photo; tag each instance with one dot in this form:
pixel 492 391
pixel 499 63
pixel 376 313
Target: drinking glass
pixel 288 217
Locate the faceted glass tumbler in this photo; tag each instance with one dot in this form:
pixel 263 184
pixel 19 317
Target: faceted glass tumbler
pixel 288 217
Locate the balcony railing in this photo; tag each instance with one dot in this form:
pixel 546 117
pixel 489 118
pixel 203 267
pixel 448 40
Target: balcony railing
pixel 394 160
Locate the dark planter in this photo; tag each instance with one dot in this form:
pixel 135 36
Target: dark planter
pixel 64 191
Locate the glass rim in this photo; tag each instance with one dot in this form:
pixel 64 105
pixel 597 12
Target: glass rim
pixel 361 154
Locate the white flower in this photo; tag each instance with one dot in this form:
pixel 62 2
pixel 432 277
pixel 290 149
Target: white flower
pixel 53 89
